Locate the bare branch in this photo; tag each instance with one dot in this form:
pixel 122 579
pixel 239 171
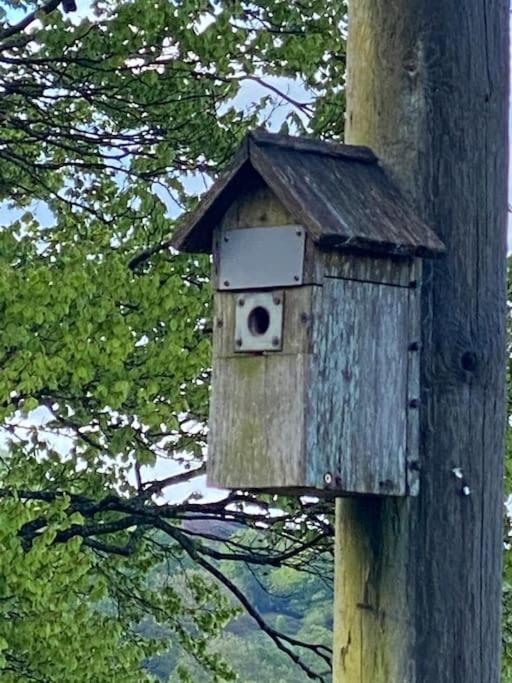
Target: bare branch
pixel 157 486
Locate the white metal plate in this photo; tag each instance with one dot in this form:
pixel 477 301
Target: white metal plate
pixel 255 258
pixel 259 321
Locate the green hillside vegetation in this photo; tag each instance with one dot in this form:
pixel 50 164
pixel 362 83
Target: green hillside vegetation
pixel 294 602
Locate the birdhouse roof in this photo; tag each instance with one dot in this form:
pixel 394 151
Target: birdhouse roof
pixel 339 193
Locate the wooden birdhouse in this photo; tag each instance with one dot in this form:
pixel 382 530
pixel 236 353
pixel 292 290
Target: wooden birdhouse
pixel 317 275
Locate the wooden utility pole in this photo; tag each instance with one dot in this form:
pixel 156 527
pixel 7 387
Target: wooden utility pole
pixel 418 579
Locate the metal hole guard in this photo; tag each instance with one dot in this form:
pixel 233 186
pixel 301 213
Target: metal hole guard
pixel 259 321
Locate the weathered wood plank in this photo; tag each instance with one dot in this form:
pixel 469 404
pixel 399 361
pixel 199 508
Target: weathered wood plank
pixel 322 263
pixel 392 271
pixel 256 437
pixel 360 385
pixel 237 445
pixel 256 207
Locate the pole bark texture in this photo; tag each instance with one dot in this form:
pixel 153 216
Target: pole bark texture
pixel 418 580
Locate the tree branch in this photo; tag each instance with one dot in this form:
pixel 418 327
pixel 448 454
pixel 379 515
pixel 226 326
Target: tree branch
pixel 10 31
pixel 278 638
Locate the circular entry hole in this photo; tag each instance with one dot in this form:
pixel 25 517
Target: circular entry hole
pixel 258 321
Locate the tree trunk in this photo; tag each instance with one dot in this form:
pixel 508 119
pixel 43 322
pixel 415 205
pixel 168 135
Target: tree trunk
pixel 418 580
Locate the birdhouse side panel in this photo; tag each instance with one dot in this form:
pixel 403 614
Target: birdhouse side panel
pixel 327 263
pixel 361 338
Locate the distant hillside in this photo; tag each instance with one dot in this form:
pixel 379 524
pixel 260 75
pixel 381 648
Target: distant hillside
pixel 296 603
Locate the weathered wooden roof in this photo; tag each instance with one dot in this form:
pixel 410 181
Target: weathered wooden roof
pixel 339 193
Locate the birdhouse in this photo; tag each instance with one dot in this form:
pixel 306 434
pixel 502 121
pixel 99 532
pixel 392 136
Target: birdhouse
pixel 317 274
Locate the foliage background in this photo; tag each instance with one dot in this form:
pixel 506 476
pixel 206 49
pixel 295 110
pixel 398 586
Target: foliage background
pixel 113 119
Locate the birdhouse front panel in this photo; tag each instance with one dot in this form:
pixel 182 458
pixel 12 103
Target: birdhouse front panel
pixel 259 400
pixel 317 278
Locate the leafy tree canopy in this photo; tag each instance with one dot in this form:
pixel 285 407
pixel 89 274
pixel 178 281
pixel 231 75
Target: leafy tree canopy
pixel 113 117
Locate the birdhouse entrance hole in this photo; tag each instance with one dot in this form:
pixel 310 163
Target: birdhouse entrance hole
pixel 258 320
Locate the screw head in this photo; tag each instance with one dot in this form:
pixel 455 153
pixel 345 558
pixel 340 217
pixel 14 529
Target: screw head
pixel 413 284
pixel 238 342
pixel 275 341
pixel 296 278
pixel 220 322
pixel 226 283
pixel 241 302
pixel 414 346
pixel 299 233
pixel 304 317
pixel 386 485
pixel 226 239
pixel 328 478
pixel 277 300
pixel 414 403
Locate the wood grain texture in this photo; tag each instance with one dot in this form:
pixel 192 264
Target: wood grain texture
pixel 256 437
pixel 364 267
pixel 418 580
pixel 359 384
pixel 344 204
pixel 344 200
pixel 255 206
pixel 353 152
